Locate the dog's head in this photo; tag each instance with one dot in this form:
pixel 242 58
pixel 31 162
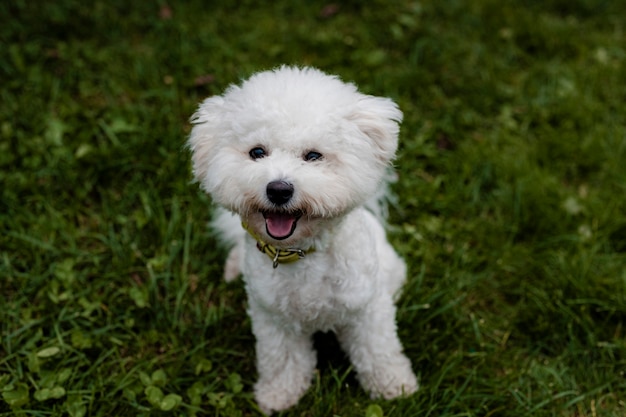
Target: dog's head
pixel 291 148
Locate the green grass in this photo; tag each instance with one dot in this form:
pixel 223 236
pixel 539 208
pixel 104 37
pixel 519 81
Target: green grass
pixel 511 203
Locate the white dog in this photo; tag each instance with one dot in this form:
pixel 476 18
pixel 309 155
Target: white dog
pixel 295 155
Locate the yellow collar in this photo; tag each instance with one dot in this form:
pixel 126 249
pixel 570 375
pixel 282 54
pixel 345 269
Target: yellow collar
pixel 278 256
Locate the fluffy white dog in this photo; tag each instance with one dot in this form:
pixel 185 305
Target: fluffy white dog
pixel 295 155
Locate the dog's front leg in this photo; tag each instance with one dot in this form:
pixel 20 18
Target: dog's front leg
pixel 285 362
pixel 375 351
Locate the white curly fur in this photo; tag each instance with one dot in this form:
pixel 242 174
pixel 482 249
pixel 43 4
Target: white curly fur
pixel 348 284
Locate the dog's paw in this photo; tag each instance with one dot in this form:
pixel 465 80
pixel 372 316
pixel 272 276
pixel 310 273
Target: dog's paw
pixel 271 402
pixel 402 387
pixel 390 382
pixel 274 396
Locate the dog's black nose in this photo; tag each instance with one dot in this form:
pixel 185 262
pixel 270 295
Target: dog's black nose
pixel 279 192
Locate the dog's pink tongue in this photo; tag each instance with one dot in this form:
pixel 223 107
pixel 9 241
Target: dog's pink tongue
pixel 279 225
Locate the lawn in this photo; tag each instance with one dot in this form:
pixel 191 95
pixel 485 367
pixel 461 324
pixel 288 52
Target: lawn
pixel 510 206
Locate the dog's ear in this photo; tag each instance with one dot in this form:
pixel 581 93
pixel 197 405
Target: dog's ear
pixel 204 134
pixel 379 119
pixel 207 110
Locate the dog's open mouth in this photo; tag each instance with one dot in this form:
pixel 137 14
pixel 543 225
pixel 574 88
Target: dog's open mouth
pixel 279 224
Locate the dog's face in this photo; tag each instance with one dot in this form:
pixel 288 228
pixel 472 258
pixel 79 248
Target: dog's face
pixel 291 149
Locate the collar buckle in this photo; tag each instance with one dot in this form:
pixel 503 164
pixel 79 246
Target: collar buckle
pixel 278 256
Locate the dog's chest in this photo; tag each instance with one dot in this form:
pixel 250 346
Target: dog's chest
pixel 316 300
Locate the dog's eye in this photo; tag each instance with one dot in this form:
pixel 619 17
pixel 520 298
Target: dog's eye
pixel 256 153
pixel 312 156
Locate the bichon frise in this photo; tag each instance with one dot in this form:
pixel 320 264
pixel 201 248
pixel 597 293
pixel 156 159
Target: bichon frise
pixel 295 155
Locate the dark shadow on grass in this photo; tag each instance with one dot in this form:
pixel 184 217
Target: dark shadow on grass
pixel 330 356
